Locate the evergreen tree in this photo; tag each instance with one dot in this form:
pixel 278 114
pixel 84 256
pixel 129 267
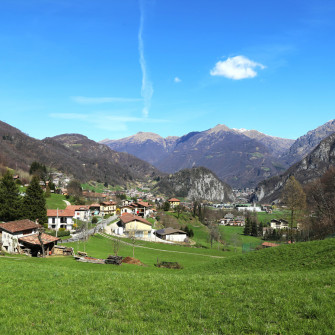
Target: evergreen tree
pixel 260 229
pixel 10 199
pixel 166 206
pixel 247 227
pixel 47 192
pixel 254 230
pixel 34 203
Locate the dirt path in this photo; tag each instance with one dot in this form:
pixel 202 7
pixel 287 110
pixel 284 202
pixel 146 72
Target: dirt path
pixel 68 203
pixel 141 246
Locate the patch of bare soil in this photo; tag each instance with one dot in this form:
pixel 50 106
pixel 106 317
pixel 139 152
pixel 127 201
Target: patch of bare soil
pixel 131 260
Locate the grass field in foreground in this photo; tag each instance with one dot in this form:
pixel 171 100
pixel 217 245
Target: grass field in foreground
pixel 284 290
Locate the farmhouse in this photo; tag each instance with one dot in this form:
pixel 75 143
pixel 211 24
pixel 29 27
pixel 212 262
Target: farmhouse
pixel 171 234
pixel 22 235
pixel 60 218
pixel 134 225
pixel 174 202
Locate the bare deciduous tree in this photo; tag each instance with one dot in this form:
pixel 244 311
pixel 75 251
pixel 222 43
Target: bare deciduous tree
pixel 294 197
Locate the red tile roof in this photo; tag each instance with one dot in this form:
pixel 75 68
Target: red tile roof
pixel 94 205
pixel 78 207
pixel 269 244
pixel 174 200
pixel 61 212
pixel 127 217
pixel 21 225
pixel 108 203
pixel 33 239
pixel 142 203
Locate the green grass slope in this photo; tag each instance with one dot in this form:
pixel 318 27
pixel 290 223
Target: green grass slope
pixel 284 290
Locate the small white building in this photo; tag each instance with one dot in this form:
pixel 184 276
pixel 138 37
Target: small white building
pixel 60 218
pixel 171 234
pixel 252 208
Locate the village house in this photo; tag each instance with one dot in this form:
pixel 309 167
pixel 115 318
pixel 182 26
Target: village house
pixel 142 208
pixel 60 218
pixel 108 208
pixel 128 209
pixel 22 237
pixel 171 234
pixel 134 225
pixel 279 224
pixel 230 220
pixel 126 202
pixel 80 212
pixel 174 202
pixel 94 209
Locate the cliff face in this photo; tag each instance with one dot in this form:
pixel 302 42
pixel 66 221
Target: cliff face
pixel 197 183
pixel 311 167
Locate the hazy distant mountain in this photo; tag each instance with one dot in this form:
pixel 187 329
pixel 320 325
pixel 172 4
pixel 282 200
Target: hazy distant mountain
pixel 74 155
pixel 239 157
pixel 305 144
pixel 147 146
pixel 313 166
pixel 197 183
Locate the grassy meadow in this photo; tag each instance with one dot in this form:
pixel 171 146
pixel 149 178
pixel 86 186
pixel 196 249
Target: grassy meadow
pixel 285 290
pixel 56 201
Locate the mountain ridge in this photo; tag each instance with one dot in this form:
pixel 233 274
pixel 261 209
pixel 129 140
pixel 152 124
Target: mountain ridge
pixel 310 168
pixel 230 153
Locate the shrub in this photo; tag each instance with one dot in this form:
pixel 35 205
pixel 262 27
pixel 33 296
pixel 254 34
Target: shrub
pixel 60 233
pixel 94 220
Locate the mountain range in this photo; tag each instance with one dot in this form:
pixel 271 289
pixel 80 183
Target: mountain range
pixel 86 160
pixel 239 157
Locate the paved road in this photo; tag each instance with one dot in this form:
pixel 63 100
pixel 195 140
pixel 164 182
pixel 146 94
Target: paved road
pixel 84 234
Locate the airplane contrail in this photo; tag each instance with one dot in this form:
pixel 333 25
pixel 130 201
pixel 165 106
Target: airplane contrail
pixel 146 89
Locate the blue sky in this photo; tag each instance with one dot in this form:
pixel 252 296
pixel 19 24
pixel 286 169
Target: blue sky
pixel 111 68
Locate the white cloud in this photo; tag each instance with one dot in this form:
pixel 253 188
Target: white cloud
pixel 238 67
pixel 177 80
pixel 101 100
